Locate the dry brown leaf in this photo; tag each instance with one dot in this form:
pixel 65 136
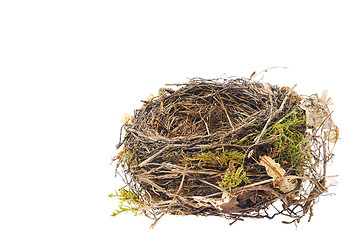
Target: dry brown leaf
pixel 286 184
pixel 324 95
pixel 275 171
pixel 327 101
pixel 332 134
pixel 231 206
pixel 318 115
pixel 318 118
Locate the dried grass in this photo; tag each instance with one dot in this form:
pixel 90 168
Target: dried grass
pixel 196 150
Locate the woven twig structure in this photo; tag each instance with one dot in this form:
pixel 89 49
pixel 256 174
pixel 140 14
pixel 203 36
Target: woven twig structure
pixel 234 147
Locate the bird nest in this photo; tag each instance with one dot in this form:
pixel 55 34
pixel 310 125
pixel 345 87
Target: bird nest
pixel 235 148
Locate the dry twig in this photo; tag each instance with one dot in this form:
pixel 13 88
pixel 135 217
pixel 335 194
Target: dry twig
pixel 195 150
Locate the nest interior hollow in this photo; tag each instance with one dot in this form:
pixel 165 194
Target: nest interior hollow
pixel 201 149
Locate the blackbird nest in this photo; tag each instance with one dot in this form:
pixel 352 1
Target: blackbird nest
pixel 234 147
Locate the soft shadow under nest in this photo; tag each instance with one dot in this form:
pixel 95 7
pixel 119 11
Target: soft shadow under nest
pixel 235 148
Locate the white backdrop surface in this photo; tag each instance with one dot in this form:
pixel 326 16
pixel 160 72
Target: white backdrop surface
pixel 70 69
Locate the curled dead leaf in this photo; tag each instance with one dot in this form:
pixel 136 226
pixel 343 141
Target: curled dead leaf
pixel 331 134
pixel 275 171
pixel 286 184
pixel 319 116
pixel 231 206
pixel 327 101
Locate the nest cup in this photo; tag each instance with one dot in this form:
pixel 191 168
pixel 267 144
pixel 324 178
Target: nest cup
pixel 235 148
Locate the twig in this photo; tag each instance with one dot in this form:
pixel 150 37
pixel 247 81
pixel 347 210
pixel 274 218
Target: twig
pixel 151 158
pixel 188 144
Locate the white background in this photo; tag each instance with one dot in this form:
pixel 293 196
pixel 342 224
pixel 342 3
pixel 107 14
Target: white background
pixel 70 69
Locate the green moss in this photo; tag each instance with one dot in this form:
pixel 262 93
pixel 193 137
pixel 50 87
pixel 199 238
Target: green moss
pixel 228 160
pixel 234 177
pixel 232 155
pixel 289 140
pixel 128 202
pixel 221 158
